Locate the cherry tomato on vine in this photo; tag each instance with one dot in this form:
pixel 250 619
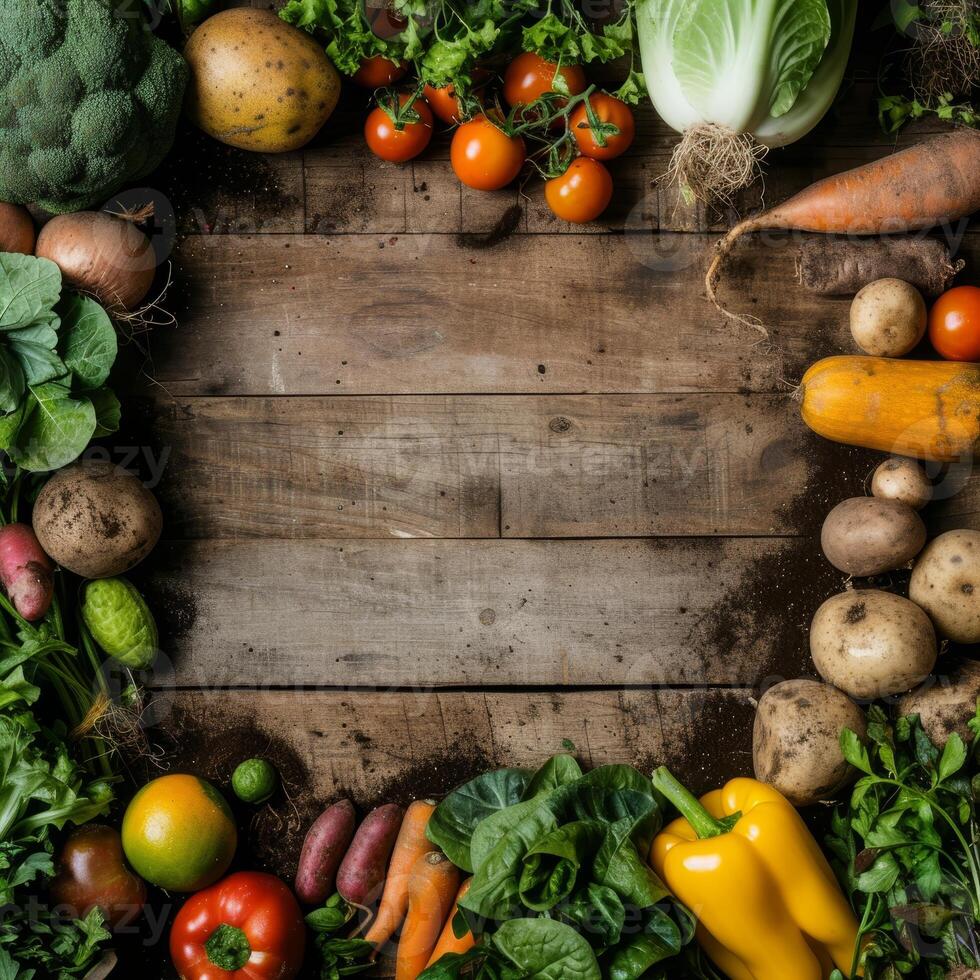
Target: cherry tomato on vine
pixel 529 76
pixel 954 324
pixel 581 193
pixel 485 157
pixel 444 103
pixel 378 71
pixel 387 141
pixel 610 111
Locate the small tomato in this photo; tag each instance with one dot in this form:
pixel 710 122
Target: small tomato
pixel 246 927
pixel 581 193
pixel 444 103
pixel 386 140
pixel 529 76
pixel 609 111
pixel 954 324
pixel 484 157
pixel 377 71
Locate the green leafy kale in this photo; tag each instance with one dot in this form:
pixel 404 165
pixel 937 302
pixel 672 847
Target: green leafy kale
pixel 56 351
pixel 906 849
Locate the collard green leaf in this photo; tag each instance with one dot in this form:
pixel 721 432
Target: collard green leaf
pixel 13 384
pixel 108 412
pixel 29 288
pixel 56 428
pixel 454 821
pixel 40 363
pixel 88 341
pixel 10 425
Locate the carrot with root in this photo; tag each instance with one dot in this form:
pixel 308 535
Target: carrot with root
pixel 410 845
pixel 933 182
pixel 448 941
pixel 432 887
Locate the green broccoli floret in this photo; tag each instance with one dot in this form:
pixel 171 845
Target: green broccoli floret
pixel 89 100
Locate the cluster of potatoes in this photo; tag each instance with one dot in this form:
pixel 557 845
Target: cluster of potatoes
pixel 868 643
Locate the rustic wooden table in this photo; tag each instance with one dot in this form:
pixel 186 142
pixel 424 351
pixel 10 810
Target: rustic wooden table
pixel 454 485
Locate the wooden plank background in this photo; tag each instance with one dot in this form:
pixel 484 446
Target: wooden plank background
pixel 450 484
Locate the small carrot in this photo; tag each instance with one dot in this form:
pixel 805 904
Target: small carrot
pixel 935 181
pixel 432 888
pixel 448 941
pixel 409 847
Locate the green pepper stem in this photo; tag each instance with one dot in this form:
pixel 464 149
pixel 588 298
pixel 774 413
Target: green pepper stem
pixel 688 805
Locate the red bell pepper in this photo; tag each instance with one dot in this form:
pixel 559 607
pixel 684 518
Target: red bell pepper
pixel 246 927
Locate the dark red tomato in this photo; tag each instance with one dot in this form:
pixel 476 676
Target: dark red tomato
pixel 581 193
pixel 384 20
pixel 387 141
pixel 529 76
pixel 246 927
pixel 954 324
pixel 609 111
pixel 376 72
pixel 444 103
pixel 484 157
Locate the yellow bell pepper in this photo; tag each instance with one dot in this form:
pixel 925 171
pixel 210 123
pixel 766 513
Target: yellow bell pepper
pixel 767 903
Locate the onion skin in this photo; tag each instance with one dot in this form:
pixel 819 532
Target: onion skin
pixel 101 254
pixel 16 229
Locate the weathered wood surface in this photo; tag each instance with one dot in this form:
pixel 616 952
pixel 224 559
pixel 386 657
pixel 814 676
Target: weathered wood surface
pixel 421 614
pixel 400 746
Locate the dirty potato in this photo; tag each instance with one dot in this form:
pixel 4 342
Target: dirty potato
pixel 871 644
pixel 902 479
pixel 945 704
pixel 96 519
pixel 946 583
pixel 258 83
pixel 867 536
pixel 796 740
pixel 888 318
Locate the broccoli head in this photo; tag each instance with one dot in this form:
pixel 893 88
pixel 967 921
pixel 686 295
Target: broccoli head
pixel 89 100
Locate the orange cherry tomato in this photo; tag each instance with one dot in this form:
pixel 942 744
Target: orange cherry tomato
pixel 385 140
pixel 529 76
pixel 444 103
pixel 484 157
pixel 581 193
pixel 954 324
pixel 610 110
pixel 378 71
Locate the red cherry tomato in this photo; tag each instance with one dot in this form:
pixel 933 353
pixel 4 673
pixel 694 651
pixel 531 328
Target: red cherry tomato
pixel 246 927
pixel 484 157
pixel 443 100
pixel 609 110
pixel 387 141
pixel 529 76
pixel 954 324
pixel 377 71
pixel 581 193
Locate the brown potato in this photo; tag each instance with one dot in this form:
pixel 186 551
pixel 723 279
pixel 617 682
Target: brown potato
pixel 946 583
pixel 871 644
pixel 902 479
pixel 888 318
pixel 96 519
pixel 796 740
pixel 945 704
pixel 257 82
pixel 867 536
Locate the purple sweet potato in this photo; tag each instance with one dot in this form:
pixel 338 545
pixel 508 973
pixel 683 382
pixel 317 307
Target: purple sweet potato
pixel 362 872
pixel 324 848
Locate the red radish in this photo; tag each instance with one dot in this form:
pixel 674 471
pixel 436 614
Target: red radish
pixel 362 872
pixel 925 185
pixel 102 254
pixel 16 229
pixel 25 571
pixel 324 848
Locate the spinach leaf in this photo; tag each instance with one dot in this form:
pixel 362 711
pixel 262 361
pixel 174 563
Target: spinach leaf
pixel 454 821
pixel 619 866
pixel 544 949
pixel 598 913
pixel 551 867
pixel 491 830
pixel 557 771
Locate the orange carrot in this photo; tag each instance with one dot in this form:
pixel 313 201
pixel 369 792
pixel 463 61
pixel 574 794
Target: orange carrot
pixel 409 847
pixel 448 943
pixel 933 182
pixel 431 889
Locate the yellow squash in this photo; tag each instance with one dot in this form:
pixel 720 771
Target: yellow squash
pixel 924 409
